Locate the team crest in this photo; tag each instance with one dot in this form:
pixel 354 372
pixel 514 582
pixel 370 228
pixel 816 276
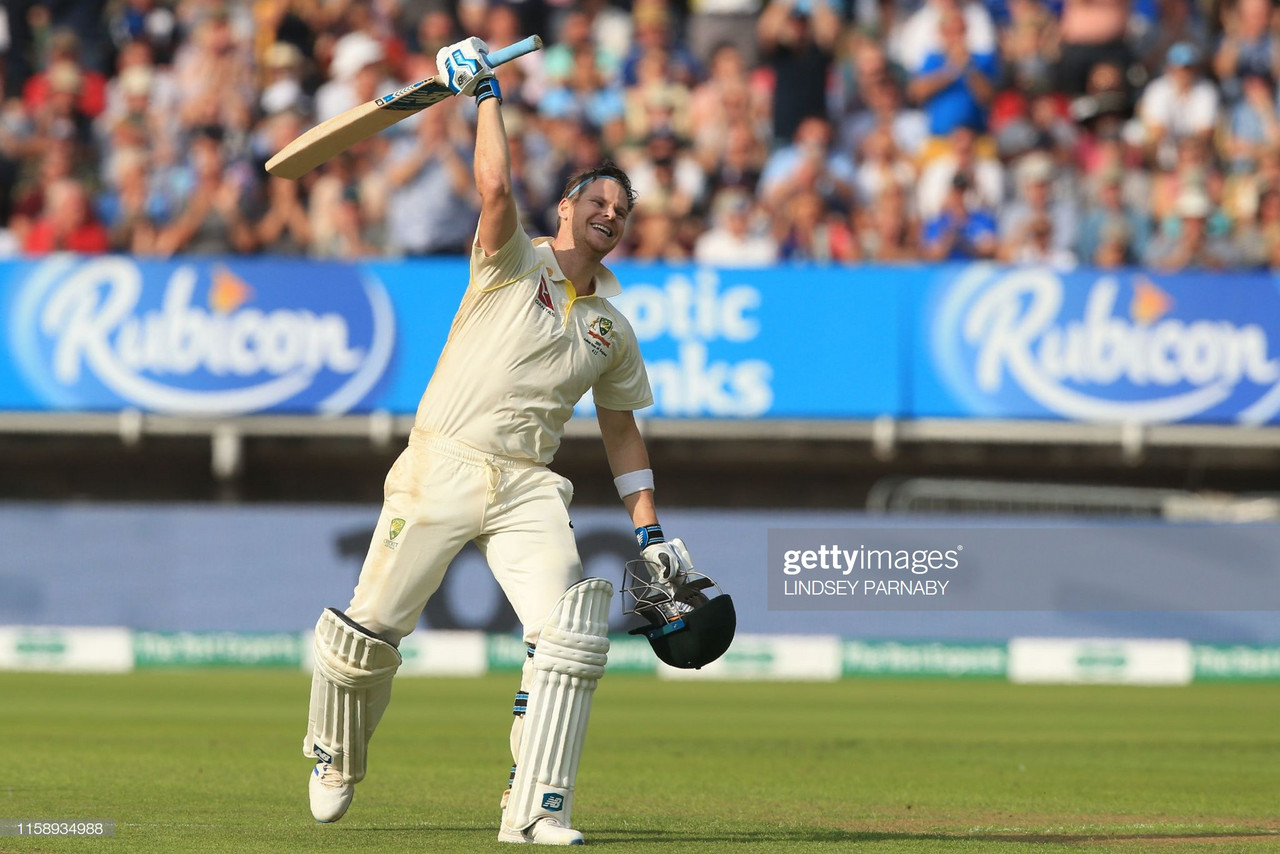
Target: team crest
pixel 397 525
pixel 600 330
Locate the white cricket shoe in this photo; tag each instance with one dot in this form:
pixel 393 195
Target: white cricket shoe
pixel 544 831
pixel 330 797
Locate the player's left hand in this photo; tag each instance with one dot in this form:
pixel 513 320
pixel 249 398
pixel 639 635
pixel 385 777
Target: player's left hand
pixel 462 65
pixel 668 560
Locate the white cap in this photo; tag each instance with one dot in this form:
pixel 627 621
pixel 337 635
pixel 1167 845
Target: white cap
pixel 1192 202
pixel 353 52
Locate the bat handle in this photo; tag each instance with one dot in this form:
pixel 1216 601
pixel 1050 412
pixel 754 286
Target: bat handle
pixel 512 51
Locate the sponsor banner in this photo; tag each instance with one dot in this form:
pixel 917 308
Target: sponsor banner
pixel 65 649
pixel 236 336
pixel 1236 662
pixel 897 658
pixel 1112 661
pixel 1131 346
pixel 218 649
pixel 210 338
pixel 796 658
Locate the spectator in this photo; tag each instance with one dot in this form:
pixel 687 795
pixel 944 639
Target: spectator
pixel 1252 123
pixel 1187 245
pixel 887 232
pixel 882 166
pixel 357 75
pixel 1179 103
pixel 67 224
pixel 1029 44
pixel 213 220
pixel 810 231
pixel 283 228
pixel 1257 234
pixel 130 210
pixel 714 24
pixel 798 37
pixel 1248 44
pixel 665 166
pixel 657 102
pixel 735 238
pixel 1110 230
pixel 953 86
pixel 656 233
pixel 808 163
pixel 588 98
pixel 963 229
pixel 432 209
pixel 726 96
pixel 655 35
pixel 921 33
pixel 1093 31
pixel 743 160
pixel 884 107
pixel 1174 21
pixel 1038 207
pixel 984 176
pixel 64 58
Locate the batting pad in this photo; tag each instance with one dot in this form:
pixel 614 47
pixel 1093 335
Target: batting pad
pixel 568 662
pixel 350 689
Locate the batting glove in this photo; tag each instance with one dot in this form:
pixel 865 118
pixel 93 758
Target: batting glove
pixel 668 561
pixel 462 65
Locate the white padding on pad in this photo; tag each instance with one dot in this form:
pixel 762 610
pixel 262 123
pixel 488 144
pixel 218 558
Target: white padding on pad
pixel 568 662
pixel 350 689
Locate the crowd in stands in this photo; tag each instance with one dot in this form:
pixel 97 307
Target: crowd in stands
pixel 1104 133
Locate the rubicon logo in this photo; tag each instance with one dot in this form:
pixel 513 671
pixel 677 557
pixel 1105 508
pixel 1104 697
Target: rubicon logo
pixel 212 339
pixel 1114 348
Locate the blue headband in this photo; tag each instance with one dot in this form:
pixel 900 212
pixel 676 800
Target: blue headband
pixel 587 180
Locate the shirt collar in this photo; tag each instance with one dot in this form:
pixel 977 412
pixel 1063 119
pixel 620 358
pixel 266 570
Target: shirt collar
pixel 607 284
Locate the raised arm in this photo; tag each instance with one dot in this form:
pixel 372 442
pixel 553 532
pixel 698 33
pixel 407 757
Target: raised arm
pixel 465 67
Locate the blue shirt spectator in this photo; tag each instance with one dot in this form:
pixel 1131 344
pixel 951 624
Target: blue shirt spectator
pixel 955 87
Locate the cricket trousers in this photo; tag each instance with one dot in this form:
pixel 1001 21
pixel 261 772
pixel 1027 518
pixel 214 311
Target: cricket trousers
pixel 441 494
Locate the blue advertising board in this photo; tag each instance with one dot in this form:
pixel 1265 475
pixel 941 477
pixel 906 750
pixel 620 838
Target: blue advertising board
pixel 1129 346
pixel 240 336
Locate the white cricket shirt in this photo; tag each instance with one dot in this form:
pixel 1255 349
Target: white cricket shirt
pixel 523 350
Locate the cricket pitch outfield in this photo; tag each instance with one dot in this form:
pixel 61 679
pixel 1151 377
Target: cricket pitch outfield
pixel 210 760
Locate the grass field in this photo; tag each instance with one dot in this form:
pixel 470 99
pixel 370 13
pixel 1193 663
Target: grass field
pixel 210 761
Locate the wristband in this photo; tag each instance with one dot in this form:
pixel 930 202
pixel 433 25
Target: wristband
pixel 649 535
pixel 633 481
pixel 486 89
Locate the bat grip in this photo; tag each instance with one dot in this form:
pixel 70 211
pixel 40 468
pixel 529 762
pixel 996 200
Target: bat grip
pixel 512 51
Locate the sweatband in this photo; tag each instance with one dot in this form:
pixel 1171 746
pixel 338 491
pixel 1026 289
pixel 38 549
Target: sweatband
pixel 633 481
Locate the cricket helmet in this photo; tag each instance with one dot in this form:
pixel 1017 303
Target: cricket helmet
pixel 686 627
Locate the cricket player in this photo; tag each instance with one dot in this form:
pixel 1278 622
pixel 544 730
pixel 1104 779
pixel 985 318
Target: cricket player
pixel 534 332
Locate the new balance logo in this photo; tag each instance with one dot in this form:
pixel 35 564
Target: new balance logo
pixel 551 802
pixel 543 297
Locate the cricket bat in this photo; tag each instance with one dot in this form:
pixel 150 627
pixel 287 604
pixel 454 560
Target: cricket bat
pixel 334 136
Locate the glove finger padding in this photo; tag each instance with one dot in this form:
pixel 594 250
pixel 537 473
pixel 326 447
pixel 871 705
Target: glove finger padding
pixel 462 65
pixel 668 561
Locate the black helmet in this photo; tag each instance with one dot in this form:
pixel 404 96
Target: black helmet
pixel 686 628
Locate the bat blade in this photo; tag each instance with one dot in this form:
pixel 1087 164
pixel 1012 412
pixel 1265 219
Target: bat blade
pixel 335 135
